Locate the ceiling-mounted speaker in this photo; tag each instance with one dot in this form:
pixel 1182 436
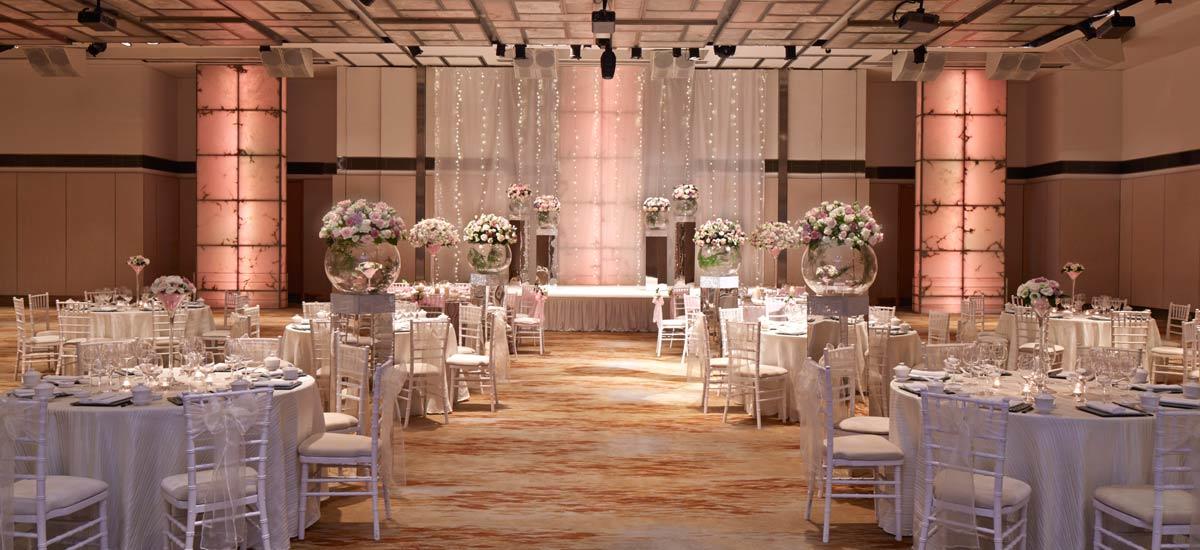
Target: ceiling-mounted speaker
pixel 1013 66
pixel 664 64
pixel 52 61
pixel 288 62
pixel 1093 54
pixel 906 69
pixel 539 64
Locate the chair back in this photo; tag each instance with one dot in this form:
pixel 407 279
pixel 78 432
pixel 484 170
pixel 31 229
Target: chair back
pixel 697 345
pixel 832 381
pixel 39 311
pixel 691 304
pixel 19 314
pixel 322 340
pixel 728 314
pixel 1175 434
pixel 255 349
pixel 350 383
pixel 23 430
pixel 677 306
pixel 935 355
pixel 74 320
pixel 470 326
pixel 992 347
pixel 843 363
pixel 1177 315
pixel 878 339
pixel 1027 325
pixel 164 328
pixel 880 315
pixel 752 313
pixel 254 314
pixel 1191 345
pixel 744 340
pixel 312 310
pixel 965 436
pixel 939 327
pixel 1130 329
pixel 234 301
pixel 428 343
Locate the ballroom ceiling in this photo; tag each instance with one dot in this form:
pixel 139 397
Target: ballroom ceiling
pixel 460 32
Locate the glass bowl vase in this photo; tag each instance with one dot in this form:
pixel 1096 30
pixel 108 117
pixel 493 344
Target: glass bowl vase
pixel 362 268
pixel 839 270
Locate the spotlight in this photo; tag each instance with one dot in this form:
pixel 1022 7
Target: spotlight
pixel 96 48
pixel 694 54
pixel 916 20
pixel 500 49
pixel 677 52
pixel 6 47
pixel 97 19
pixel 789 52
pixel 576 51
pixel 919 54
pixel 604 22
pixel 635 53
pixel 608 64
pixel 828 50
pixel 414 51
pixel 1116 26
pixel 152 43
pixel 1162 1
pixel 725 52
pixel 1087 30
pixel 520 51
pixel 367 3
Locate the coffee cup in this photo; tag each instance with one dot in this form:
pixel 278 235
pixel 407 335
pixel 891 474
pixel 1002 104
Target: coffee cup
pixel 1043 403
pixel 1191 390
pixel 935 386
pixel 30 379
pixel 142 395
pixel 1149 401
pixel 1140 376
pixel 290 372
pixel 45 390
pixel 901 372
pixel 271 363
pixel 240 384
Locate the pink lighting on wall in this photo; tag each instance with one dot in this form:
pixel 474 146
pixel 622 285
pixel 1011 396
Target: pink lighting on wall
pixel 961 165
pixel 241 114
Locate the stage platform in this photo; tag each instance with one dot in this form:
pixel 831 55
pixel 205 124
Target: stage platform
pixel 600 308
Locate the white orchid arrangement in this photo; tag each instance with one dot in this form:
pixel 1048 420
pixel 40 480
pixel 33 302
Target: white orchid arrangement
pixel 774 236
pixel 433 232
pixel 362 222
pixel 489 229
pixel 1072 267
pixel 720 232
pixel 546 203
pixel 137 261
pixel 686 192
pixel 519 191
pixel 1039 287
pixel 838 223
pixel 656 204
pixel 172 284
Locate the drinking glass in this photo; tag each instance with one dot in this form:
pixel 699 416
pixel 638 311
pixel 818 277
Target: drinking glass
pixel 151 368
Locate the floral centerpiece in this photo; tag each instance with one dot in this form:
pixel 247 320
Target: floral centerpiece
pixel 685 197
pixel 547 207
pixel 1040 287
pixel 137 263
pixel 362 237
pixel 489 236
pixel 774 237
pixel 171 290
pixel 433 234
pixel 518 199
pixel 840 235
pixel 1042 295
pixel 718 247
pixel 1073 270
pixel 655 209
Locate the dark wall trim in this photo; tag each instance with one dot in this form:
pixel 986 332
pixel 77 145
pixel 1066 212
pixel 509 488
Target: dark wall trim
pixel 1181 159
pixel 892 172
pixel 311 168
pixel 407 164
pixel 98 161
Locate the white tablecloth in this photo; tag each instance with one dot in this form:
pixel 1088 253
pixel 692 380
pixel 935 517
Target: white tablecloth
pixel 134 448
pixel 297 347
pixel 1063 456
pixel 1071 333
pixel 140 324
pixel 789 351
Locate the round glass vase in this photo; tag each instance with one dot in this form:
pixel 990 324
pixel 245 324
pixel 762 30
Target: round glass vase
pixel 656 220
pixel 718 261
pixel 839 270
pixel 547 220
pixel 362 268
pixel 517 206
pixel 684 209
pixel 488 258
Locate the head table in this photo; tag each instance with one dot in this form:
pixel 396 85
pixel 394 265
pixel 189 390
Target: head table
pixel 1064 456
pixel 132 448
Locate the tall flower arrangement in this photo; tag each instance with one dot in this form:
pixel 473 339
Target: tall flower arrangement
pixel 718 244
pixel 1039 287
pixel 774 237
pixel 361 222
pixel 362 255
pixel 655 209
pixel 433 233
pixel 490 236
pixel 720 232
pixel 171 290
pixel 838 223
pixel 137 263
pixel 547 207
pixel 685 197
pixel 1073 270
pixel 518 199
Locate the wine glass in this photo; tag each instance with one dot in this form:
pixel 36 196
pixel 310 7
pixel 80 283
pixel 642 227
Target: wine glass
pixel 1085 368
pixel 151 368
pixel 1027 369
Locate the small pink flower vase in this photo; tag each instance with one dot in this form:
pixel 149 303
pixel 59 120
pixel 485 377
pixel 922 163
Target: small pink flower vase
pixel 171 301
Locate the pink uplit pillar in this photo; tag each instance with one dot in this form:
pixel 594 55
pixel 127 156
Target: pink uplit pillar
pixel 241 114
pixel 961 157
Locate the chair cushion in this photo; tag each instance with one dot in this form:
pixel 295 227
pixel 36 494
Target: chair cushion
pixel 425 369
pixel 865 448
pixel 206 491
pixel 673 323
pixel 465 349
pixel 214 334
pixel 1054 348
pixel 46 333
pixel 61 492
pixel 763 371
pixel 333 445
pixel 526 320
pixel 1138 501
pixel 950 486
pixel 467 360
pixel 876 425
pixel 719 362
pixel 77 341
pixel 46 339
pixel 336 422
pixel 1167 350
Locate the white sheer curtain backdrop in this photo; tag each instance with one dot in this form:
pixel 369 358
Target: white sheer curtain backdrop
pixel 600 164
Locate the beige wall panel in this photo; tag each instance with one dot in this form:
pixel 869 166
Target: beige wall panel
pixel 1181 240
pixel 840 110
pixel 363 186
pixel 804 115
pixel 150 236
pixel 891 123
pixel 803 193
pixel 1087 238
pixel 1146 214
pixel 398 191
pixel 167 222
pixel 312 119
pixel 771 113
pixel 843 189
pixel 884 203
pixel 1018 113
pixel 339 187
pixel 187 226
pixel 317 201
pixel 398 112
pixel 91 233
pixel 1125 271
pixel 1160 114
pixel 8 226
pixel 362 112
pixel 159 132
pixel 185 118
pixel 42 232
pixel 770 213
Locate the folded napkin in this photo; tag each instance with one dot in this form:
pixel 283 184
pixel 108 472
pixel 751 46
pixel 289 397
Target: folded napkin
pixel 22 393
pixel 914 387
pixel 1109 408
pixel 107 398
pixel 1179 402
pixel 298 319
pixel 59 380
pixel 220 367
pixel 1159 388
pixel 277 383
pixel 927 374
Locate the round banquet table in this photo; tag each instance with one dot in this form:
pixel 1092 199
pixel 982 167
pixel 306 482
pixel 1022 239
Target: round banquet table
pixel 789 351
pixel 1072 333
pixel 133 448
pixel 1064 456
pixel 136 323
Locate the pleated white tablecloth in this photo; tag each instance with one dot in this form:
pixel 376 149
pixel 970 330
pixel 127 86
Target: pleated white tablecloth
pixel 1064 456
pixel 1071 333
pixel 134 448
pixel 140 324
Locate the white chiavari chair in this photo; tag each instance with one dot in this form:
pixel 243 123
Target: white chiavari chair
pixel 845 359
pixel 32 349
pixel 878 370
pixel 963 440
pixel 713 372
pixel 257 349
pixel 674 329
pixel 74 328
pixel 968 325
pixel 880 315
pixel 216 494
pixel 1176 361
pixel 426 364
pixel 1177 315
pixel 39 313
pixel 1028 337
pixel 470 328
pixel 254 315
pixel 480 369
pixel 935 355
pixel 349 389
pixel 166 332
pixel 322 340
pixel 356 451
pixel 1131 330
pixel 747 376
pixel 1165 509
pixel 978 308
pixel 314 310
pixel 939 327
pixel 831 389
pixel 527 322
pixel 691 306
pixel 724 315
pixel 37 496
pixel 234 301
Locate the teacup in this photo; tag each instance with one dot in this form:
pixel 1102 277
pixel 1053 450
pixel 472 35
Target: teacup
pixel 1191 390
pixel 1140 376
pixel 142 395
pixel 45 390
pixel 901 372
pixel 240 384
pixel 935 386
pixel 31 378
pixel 1149 401
pixel 1043 403
pixel 290 373
pixel 271 363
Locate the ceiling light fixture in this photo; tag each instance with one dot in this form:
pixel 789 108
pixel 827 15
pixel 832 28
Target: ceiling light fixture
pixel 97 19
pixel 96 48
pixel 1116 26
pixel 576 51
pixel 520 51
pixel 694 54
pixel 414 51
pixel 1088 31
pixel 127 44
pixel 608 64
pixel 725 52
pixel 604 21
pixel 789 52
pixel 677 52
pixel 916 20
pixel 919 54
pixel 500 47
pixel 636 52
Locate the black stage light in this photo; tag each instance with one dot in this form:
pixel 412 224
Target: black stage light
pixel 694 54
pixel 97 19
pixel 608 64
pixel 500 47
pixel 725 52
pixel 789 52
pixel 677 52
pixel 1116 26
pixel 520 51
pixel 636 52
pixel 96 48
pixel 576 51
pixel 1088 31
pixel 919 54
pixel 414 51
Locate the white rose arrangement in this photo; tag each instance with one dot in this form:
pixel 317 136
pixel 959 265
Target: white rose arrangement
pixel 1039 287
pixel 774 236
pixel 720 232
pixel 137 261
pixel 686 192
pixel 519 191
pixel 1072 267
pixel 838 223
pixel 489 229
pixel 433 233
pixel 361 222
pixel 656 204
pixel 546 203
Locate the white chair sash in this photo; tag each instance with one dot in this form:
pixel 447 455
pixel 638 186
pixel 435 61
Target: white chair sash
pixel 391 461
pixel 953 437
pixel 812 415
pixel 499 347
pixel 228 421
pixel 658 306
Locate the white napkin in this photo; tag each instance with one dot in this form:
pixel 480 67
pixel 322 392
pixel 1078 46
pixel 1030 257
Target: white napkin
pixel 107 398
pixel 277 383
pixel 1159 387
pixel 1110 408
pixel 60 380
pixel 23 392
pixel 915 387
pixel 1180 401
pixel 927 374
pixel 298 319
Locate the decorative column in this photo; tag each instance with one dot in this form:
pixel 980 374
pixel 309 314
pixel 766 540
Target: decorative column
pixel 960 192
pixel 240 183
